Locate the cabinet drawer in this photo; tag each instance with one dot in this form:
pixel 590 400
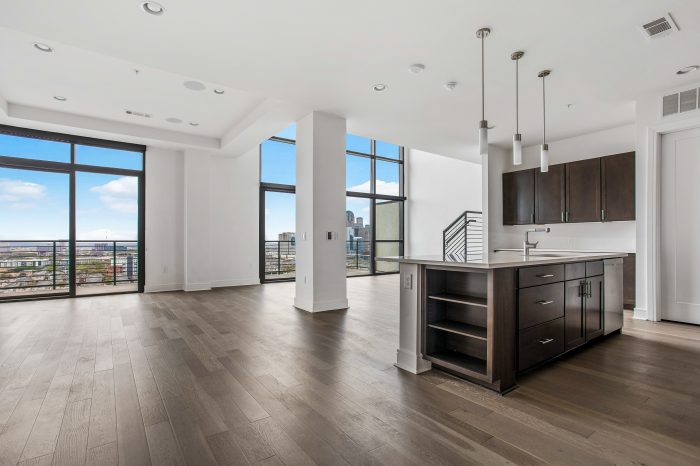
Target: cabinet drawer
pixel 533 276
pixel 594 268
pixel 539 304
pixel 575 271
pixel 540 343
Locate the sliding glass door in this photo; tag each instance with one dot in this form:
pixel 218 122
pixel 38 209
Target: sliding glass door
pixel 71 215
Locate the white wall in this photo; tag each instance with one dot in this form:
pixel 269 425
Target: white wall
pixel 201 220
pixel 438 189
pixel 610 236
pixel 164 220
pixel 233 219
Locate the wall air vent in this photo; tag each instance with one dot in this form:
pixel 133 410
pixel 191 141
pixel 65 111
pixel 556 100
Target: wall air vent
pixel 138 114
pixel 679 102
pixel 659 27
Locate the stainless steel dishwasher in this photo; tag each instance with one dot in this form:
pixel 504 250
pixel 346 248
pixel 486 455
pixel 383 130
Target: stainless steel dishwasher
pixel 613 299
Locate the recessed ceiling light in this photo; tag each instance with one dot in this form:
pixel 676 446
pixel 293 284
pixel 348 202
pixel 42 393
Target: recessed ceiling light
pixel 173 120
pixel 379 87
pixel 688 69
pixel 153 8
pixel 569 105
pixel 192 123
pixel 450 85
pixel 60 98
pixel 416 68
pixel 195 85
pixel 43 47
pixel 219 91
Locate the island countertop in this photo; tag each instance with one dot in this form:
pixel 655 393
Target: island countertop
pixel 504 259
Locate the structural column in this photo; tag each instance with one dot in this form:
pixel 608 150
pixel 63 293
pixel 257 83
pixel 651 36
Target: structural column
pixel 320 213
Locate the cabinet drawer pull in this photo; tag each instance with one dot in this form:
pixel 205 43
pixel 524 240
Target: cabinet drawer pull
pixel 546 340
pixel 545 275
pixel 544 302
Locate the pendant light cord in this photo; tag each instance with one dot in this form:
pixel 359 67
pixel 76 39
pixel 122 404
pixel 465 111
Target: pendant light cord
pixel 516 97
pixel 482 78
pixel 544 114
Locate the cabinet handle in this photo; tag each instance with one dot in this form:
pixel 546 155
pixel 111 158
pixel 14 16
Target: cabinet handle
pixel 544 302
pixel 562 217
pixel 545 275
pixel 580 289
pixel 602 215
pixel 532 216
pixel 546 340
pixel 589 290
pixel 567 217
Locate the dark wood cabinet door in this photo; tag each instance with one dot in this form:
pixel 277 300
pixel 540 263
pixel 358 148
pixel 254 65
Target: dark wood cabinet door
pixel 628 280
pixel 618 187
pixel 519 197
pixel 574 317
pixel 594 307
pixel 583 186
pixel 550 195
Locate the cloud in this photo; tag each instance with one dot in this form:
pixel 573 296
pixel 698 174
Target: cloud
pixel 106 234
pixel 18 192
pixel 119 195
pixel 390 188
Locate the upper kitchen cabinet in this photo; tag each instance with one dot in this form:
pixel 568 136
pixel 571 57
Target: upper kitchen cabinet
pixel 618 187
pixel 583 191
pixel 550 195
pixel 519 197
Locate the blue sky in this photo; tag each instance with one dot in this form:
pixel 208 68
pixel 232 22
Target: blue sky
pixel 279 166
pixel 34 205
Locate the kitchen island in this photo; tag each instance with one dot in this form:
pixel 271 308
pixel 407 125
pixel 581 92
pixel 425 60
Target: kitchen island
pixel 487 319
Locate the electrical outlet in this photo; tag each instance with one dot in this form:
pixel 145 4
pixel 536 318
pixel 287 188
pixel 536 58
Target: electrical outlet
pixel 408 281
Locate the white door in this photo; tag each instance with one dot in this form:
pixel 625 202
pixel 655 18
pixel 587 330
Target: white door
pixel 680 227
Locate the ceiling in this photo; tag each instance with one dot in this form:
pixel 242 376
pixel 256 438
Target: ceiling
pixel 278 59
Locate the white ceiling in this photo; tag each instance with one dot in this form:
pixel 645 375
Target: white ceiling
pixel 326 55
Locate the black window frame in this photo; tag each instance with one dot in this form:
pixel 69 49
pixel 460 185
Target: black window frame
pixel 71 168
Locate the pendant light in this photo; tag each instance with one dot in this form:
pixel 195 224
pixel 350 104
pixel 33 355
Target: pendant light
pixel 482 34
pixel 517 137
pixel 544 151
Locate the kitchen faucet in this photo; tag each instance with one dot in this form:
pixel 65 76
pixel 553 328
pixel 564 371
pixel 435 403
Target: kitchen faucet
pixel 527 245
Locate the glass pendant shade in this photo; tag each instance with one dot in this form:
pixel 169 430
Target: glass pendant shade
pixel 483 141
pixel 544 158
pixel 517 149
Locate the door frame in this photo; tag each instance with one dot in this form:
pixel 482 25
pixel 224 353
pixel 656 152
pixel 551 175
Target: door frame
pixel 652 213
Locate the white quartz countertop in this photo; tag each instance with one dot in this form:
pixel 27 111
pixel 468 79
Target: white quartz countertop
pixel 503 259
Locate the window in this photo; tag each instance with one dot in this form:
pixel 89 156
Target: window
pixel 374 215
pixel 374 205
pixel 71 215
pixel 278 207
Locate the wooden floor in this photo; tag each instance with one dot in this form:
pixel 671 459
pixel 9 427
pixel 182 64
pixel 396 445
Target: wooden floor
pixel 238 376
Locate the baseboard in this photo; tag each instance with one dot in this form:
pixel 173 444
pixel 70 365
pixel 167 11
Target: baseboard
pixel 163 287
pixel 411 362
pixel 235 282
pixel 640 313
pixel 197 286
pixel 320 306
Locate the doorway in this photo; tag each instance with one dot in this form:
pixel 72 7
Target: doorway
pixel 679 258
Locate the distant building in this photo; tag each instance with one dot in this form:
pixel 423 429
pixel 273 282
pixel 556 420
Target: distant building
pixel 349 218
pixel 287 236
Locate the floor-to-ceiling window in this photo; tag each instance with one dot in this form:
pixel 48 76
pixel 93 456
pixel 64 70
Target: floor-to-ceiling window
pixel 278 206
pixel 374 205
pixel 374 212
pixel 71 215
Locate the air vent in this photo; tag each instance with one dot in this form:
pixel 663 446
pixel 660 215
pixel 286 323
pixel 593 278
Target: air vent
pixel 670 105
pixel 659 27
pixel 138 114
pixel 689 100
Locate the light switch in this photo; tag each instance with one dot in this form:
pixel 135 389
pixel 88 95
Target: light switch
pixel 408 281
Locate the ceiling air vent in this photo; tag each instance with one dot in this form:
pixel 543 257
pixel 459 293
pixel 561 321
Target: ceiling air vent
pixel 670 104
pixel 659 27
pixel 138 114
pixel 689 100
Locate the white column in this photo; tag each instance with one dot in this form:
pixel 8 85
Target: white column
pixel 320 213
pixel 196 216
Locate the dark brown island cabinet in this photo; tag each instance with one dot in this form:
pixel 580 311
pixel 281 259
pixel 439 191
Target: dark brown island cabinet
pixel 591 190
pixel 490 320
